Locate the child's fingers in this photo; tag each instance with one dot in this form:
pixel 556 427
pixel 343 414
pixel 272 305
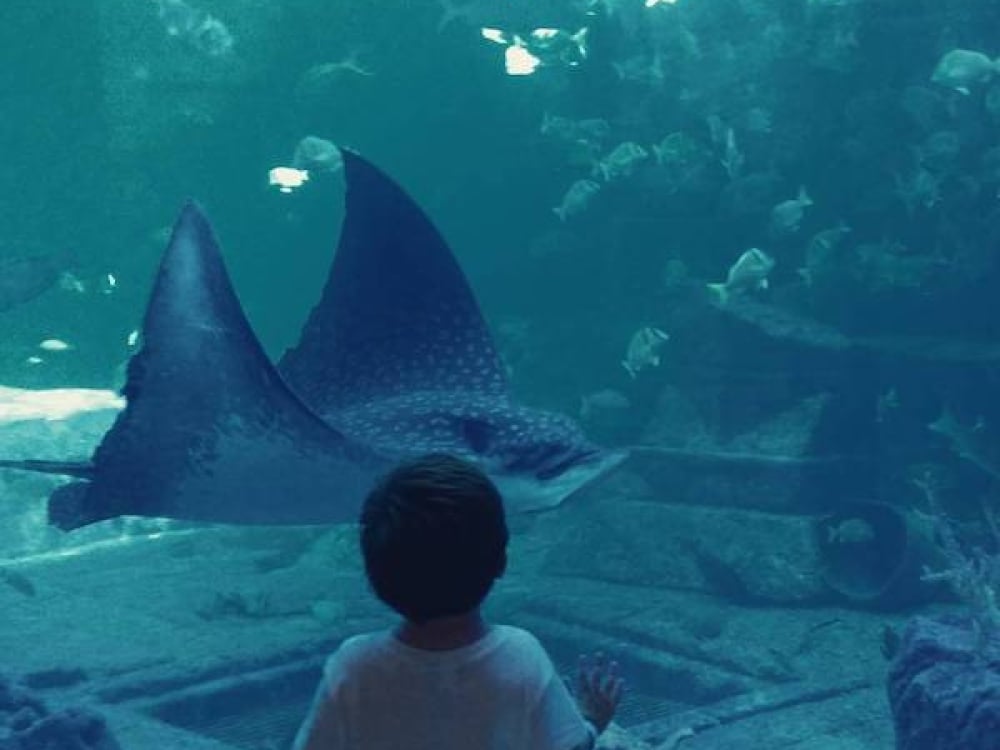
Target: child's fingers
pixel 617 688
pixel 598 676
pixel 585 680
pixel 611 673
pixel 600 661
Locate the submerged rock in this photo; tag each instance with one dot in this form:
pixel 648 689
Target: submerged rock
pixel 944 686
pixel 26 724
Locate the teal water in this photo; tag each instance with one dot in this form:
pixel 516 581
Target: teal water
pixel 711 567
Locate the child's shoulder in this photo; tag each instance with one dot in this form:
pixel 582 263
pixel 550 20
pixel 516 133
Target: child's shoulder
pixel 522 644
pixel 518 637
pixel 354 655
pixel 512 641
pixel 358 645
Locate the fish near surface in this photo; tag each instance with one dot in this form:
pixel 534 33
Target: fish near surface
pixel 315 154
pixel 387 368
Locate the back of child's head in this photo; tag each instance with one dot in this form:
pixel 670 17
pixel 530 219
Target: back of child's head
pixel 433 537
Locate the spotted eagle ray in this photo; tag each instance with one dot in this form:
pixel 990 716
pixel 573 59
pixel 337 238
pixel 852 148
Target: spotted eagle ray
pixel 395 360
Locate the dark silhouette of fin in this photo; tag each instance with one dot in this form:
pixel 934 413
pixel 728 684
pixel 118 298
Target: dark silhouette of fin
pixel 397 315
pixel 210 431
pixel 396 354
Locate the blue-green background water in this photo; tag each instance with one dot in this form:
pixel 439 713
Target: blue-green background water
pixel 113 123
pixel 110 122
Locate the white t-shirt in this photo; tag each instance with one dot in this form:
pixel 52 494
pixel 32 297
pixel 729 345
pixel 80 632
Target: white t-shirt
pixel 498 693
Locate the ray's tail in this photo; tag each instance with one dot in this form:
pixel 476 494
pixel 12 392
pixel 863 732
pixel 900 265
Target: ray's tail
pixel 78 469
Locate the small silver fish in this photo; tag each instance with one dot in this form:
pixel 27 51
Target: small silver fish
pixel 961 69
pixel 732 158
pixel 314 154
pixel 644 349
pixel 576 199
pixel 592 129
pixel 786 217
pixel 621 161
pixel 54 345
pixel 324 74
pixel 748 273
pixel 320 80
pixel 558 46
pixel 542 47
pixel 824 243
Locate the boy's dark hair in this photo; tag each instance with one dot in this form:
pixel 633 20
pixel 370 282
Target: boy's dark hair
pixel 433 537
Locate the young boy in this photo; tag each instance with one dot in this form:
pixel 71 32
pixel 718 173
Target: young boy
pixel 434 540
